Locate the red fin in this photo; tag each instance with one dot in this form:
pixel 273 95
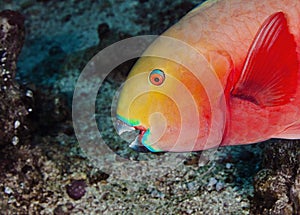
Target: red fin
pixel 269 75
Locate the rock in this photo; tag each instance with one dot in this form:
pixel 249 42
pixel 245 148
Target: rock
pixel 103 30
pixel 76 189
pixel 15 102
pixel 277 186
pixel 295 192
pixel 51 112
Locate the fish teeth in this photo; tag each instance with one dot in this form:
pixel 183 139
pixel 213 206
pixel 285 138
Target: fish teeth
pixel 136 145
pixel 122 127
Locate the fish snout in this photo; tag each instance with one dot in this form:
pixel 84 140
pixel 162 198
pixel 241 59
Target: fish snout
pixel 122 127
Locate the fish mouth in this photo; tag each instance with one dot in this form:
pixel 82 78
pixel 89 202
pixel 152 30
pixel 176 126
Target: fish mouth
pixel 137 144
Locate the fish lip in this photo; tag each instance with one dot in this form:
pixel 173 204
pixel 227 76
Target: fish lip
pixel 137 144
pixel 142 130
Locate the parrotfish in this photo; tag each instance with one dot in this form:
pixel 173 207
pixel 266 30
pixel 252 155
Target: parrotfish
pixel 252 49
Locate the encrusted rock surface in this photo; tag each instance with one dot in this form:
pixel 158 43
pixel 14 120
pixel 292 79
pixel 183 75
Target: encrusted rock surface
pixel 15 102
pixel 277 189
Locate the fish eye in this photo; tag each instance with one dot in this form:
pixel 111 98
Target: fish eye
pixel 157 77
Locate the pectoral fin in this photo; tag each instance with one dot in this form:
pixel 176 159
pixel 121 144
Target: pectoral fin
pixel 269 74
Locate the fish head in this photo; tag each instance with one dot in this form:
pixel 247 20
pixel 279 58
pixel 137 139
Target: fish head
pixel 169 105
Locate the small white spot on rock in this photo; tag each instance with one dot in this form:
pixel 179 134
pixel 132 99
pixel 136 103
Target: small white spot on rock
pixel 5 25
pixel 29 93
pixel 22 185
pixel 212 182
pixel 219 186
pixel 228 165
pixel 29 109
pixel 15 140
pixel 17 124
pixel 8 190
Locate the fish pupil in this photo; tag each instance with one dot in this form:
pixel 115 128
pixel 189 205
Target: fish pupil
pixel 156 79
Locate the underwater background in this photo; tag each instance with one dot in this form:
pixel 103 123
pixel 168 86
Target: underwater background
pixel 43 170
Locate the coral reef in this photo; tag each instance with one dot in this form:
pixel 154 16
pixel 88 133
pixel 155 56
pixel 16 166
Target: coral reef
pixel 15 102
pixel 276 186
pixel 49 174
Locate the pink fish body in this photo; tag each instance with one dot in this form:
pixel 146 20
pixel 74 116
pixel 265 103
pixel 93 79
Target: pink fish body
pixel 253 48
